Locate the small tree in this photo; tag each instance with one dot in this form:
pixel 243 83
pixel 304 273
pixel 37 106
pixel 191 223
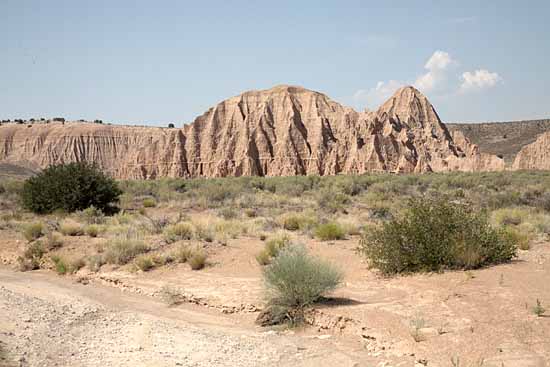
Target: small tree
pixel 70 187
pixel 171 125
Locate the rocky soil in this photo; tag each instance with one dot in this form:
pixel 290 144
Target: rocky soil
pixel 46 321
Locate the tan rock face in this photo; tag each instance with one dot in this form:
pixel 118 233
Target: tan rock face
pixel 285 130
pixel 124 152
pixel 535 155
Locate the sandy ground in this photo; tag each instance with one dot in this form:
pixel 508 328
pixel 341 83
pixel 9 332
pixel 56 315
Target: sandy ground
pixel 117 318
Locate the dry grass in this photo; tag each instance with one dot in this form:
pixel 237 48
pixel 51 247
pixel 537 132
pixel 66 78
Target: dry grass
pixel 33 231
pixel 123 250
pixel 70 228
pixel 197 259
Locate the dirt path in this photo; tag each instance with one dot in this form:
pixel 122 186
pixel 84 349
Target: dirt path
pixel 46 320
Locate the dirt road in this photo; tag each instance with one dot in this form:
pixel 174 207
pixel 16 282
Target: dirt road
pixel 46 320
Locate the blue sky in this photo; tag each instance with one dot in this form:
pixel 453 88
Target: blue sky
pixel 152 63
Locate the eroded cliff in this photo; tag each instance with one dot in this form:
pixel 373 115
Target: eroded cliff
pixel 284 130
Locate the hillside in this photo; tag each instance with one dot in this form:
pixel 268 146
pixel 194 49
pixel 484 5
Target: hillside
pixel 504 139
pixel 282 131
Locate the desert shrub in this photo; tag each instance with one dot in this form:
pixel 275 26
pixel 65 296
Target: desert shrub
pixel 298 221
pixel 332 201
pixel 263 257
pixel 171 296
pixel 70 187
pixel 330 231
pixel 182 253
pixel 144 262
pixel 251 212
pixel 31 256
pixel 123 250
pixel 92 215
pixel 509 216
pixel 538 309
pixel 436 234
pixel 177 232
pixel 351 225
pixel 76 264
pixel 197 259
pixel 542 223
pixel 95 262
pixel 92 230
pixel 225 229
pixel 53 240
pixel 228 213
pixel 157 225
pixel 149 203
pixel 521 238
pixel 63 266
pixel 295 280
pixel 69 228
pixel 272 248
pixel 60 264
pixel 204 231
pixel 32 231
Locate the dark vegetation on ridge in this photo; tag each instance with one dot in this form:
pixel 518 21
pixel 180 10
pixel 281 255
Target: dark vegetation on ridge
pixel 504 139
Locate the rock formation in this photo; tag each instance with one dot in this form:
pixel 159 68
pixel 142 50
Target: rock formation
pixel 123 152
pixel 535 155
pixel 285 130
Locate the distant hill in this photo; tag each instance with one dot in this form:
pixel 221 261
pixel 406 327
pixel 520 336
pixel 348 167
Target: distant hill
pixel 504 139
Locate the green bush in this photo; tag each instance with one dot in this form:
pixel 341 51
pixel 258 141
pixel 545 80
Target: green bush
pixel 295 280
pixel 149 203
pixel 177 232
pixel 70 187
pixel 434 235
pixel 63 266
pixel 60 265
pixel 330 231
pixel 33 231
pixel 92 230
pixel 122 251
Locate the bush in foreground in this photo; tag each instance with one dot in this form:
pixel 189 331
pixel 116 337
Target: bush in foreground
pixel 434 235
pixel 70 187
pixel 294 281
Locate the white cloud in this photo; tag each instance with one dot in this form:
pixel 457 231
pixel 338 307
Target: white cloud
pixel 374 97
pixel 441 79
pixel 437 67
pixel 479 79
